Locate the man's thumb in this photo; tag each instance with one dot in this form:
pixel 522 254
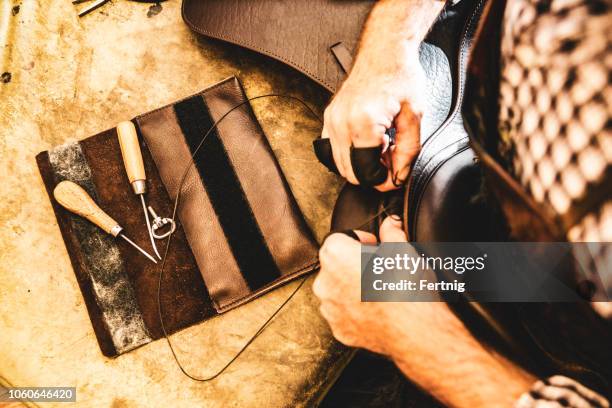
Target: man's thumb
pixel 407 143
pixel 391 230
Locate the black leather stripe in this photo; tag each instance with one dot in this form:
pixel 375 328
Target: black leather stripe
pixel 226 195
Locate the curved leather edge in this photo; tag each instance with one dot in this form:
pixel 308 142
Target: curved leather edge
pixel 328 84
pixel 367 166
pixel 429 159
pixel 452 208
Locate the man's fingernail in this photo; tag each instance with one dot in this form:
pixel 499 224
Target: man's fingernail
pixel 396 217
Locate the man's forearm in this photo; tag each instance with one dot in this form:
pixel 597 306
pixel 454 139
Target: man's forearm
pixel 449 362
pixel 396 27
pixel 457 369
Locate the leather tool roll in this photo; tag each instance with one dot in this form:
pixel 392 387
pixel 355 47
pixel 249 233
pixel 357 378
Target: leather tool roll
pixel 240 232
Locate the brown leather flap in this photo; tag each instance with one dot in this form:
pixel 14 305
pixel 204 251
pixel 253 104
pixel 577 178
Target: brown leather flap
pixel 298 33
pixel 240 218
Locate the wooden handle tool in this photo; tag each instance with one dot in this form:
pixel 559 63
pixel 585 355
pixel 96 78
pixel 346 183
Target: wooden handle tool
pixel 134 167
pixel 132 156
pixel 74 198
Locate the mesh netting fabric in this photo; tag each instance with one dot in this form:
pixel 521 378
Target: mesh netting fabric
pixel 556 99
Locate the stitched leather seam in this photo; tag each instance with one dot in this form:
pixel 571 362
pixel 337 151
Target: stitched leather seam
pixel 264 289
pixel 418 181
pixel 254 48
pixel 460 74
pixel 461 80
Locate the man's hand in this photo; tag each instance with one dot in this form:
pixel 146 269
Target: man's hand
pixel 338 286
pixel 368 324
pixel 427 341
pixel 384 89
pixel 368 104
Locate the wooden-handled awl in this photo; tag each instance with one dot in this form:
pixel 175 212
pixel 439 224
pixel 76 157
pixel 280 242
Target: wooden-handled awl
pixel 134 167
pixel 74 198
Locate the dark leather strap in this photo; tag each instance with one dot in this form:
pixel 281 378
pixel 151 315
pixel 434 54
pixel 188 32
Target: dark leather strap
pixel 365 161
pixel 323 151
pixel 368 168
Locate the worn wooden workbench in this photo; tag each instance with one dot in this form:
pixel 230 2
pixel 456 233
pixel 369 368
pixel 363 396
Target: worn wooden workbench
pixel 64 79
